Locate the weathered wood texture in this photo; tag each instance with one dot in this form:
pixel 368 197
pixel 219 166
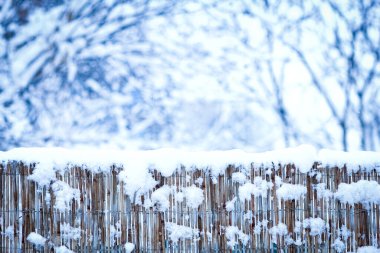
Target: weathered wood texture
pixel 103 207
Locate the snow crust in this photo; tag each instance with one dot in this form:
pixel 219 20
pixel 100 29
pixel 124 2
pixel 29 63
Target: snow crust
pixel 137 179
pixel 353 160
pixel 166 161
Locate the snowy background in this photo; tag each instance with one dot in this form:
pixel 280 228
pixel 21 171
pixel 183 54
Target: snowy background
pixel 203 74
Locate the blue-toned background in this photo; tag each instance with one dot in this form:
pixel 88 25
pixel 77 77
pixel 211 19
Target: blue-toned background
pixel 204 74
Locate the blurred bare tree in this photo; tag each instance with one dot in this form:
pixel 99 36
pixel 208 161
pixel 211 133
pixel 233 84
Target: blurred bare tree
pixel 77 70
pixel 205 74
pixel 347 76
pixel 313 65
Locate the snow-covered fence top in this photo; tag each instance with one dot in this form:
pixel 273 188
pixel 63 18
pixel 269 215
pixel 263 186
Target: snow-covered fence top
pixel 86 200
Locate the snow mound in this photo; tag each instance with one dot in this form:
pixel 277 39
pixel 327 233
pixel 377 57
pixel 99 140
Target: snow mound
pixel 317 226
pixel 63 249
pixel 291 191
pixel 64 194
pixel 279 230
pixel 368 249
pixel 36 239
pixel 194 196
pixel 365 192
pixel 232 232
pixel 129 247
pixel 178 232
pixel 259 187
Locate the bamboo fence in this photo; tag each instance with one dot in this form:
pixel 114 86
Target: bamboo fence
pixel 108 218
